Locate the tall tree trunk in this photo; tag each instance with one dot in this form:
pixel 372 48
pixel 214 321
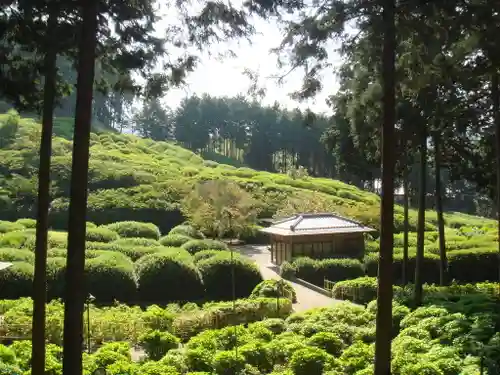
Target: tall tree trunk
pixel 495 96
pixel 443 264
pixel 421 218
pixel 384 297
pixel 42 219
pixel 406 229
pixel 75 281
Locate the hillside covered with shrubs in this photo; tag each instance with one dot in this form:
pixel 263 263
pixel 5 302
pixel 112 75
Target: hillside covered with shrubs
pixel 138 179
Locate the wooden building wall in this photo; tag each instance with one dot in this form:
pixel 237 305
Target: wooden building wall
pixel 349 245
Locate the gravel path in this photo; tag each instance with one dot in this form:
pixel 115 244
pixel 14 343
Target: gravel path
pixel 306 298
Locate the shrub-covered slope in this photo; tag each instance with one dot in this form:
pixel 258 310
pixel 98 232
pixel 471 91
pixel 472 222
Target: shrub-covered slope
pixel 140 179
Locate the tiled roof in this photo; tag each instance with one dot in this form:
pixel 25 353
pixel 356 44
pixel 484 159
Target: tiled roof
pixel 310 224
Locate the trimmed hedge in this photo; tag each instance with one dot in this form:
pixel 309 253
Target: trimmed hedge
pixel 205 254
pixel 195 246
pixel 167 278
pixel 361 290
pixel 174 240
pixel 17 239
pixel 186 230
pixel 135 229
pixel 7 226
pixel 27 223
pixel 16 255
pixel 316 271
pixel 109 282
pixel 216 272
pixel 56 278
pixel 16 281
pixel 101 235
pixel 136 241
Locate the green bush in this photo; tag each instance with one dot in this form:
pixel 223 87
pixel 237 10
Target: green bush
pixel 16 281
pixel 228 363
pixel 361 290
pixel 136 252
pixel 316 271
pixel 110 280
pixel 473 265
pixel 195 246
pixel 430 267
pixel 308 361
pixel 186 230
pixel 57 253
pixel 131 241
pixel 288 270
pixel 257 355
pixel 274 288
pixel 7 226
pixel 328 341
pixel 205 254
pixel 135 229
pixel 27 223
pixel 159 277
pixel 156 344
pixel 56 273
pixel 101 235
pixel 174 240
pixel 217 277
pixel 16 255
pixel 16 239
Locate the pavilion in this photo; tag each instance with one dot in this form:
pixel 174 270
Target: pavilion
pixel 316 235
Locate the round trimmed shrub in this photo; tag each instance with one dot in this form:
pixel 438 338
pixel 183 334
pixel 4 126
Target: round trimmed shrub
pixel 165 278
pixel 187 230
pixel 205 254
pixel 195 246
pixel 56 272
pixel 135 229
pixel 156 344
pixel 90 225
pixel 108 281
pixel 178 252
pixel 136 241
pixel 257 355
pixel 216 273
pixel 273 289
pixel 16 281
pixel 199 360
pixel 174 240
pixel 101 235
pixel 27 223
pixel 288 270
pixel 7 226
pixel 16 255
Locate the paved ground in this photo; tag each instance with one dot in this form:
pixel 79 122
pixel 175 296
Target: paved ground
pixel 306 298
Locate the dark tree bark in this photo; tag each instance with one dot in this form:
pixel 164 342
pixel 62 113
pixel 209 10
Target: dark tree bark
pixel 384 297
pixel 42 219
pixel 495 98
pixel 443 264
pixel 406 228
pixel 421 218
pixel 75 296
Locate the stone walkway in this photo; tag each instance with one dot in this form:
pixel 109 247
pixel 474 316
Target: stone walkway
pixel 306 298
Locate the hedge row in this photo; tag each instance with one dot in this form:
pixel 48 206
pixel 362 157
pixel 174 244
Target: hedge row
pixel 364 290
pixel 465 266
pixel 167 275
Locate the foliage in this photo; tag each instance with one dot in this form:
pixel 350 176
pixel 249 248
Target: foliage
pixel 174 240
pixel 220 208
pixel 101 235
pixel 157 343
pixel 275 288
pixel 157 275
pixel 187 230
pixel 135 229
pixel 195 246
pixel 217 272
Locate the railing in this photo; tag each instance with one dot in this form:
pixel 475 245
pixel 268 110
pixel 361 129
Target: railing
pixel 328 285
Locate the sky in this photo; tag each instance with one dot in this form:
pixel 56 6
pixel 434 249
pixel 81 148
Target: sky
pixel 224 77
